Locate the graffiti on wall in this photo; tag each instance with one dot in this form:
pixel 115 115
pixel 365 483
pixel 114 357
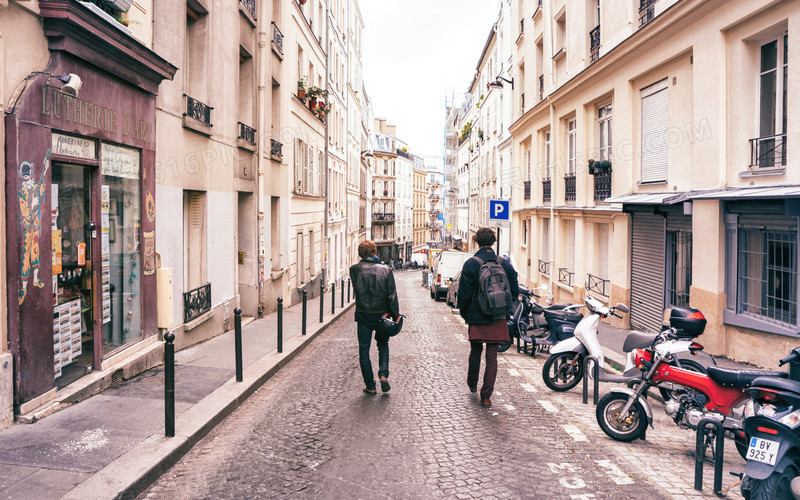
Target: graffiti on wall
pixel 31 197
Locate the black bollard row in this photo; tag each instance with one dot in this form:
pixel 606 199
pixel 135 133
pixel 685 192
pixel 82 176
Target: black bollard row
pixel 348 290
pixel 169 385
pixel 237 342
pixel 321 300
pixel 342 303
pixel 333 297
pixel 305 309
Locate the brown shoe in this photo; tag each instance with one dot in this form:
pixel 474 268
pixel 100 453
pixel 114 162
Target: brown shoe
pixel 472 387
pixel 486 403
pixel 370 391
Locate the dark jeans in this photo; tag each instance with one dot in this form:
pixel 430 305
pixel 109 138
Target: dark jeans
pixel 490 373
pixel 364 342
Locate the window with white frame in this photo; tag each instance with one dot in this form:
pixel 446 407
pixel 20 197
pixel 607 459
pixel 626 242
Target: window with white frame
pixel 545 249
pixel 571 146
pixel 655 127
pixel 604 132
pixel 306 175
pixel 547 164
pixel 528 160
pixel 768 150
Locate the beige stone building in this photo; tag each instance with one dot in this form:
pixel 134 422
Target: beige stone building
pixel 653 163
pixel 420 210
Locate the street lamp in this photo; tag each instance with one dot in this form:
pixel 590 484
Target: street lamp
pixel 498 84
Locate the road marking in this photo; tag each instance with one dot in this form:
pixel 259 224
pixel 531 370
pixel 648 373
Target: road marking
pixel 513 372
pixel 574 433
pixel 510 407
pixel 547 405
pixel 614 472
pixel 528 387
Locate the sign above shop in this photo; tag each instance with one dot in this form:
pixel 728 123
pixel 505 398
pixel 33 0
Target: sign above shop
pixel 76 147
pixel 119 161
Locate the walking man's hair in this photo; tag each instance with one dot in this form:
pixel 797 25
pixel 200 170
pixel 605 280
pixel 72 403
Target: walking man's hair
pixel 367 249
pixel 484 237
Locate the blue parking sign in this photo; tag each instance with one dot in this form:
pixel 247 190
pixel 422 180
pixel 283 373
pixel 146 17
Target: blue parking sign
pixel 499 210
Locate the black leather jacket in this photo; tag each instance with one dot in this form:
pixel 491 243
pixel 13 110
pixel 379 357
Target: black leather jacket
pixel 374 287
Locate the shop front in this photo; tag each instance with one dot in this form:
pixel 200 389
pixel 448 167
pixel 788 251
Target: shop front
pixel 81 212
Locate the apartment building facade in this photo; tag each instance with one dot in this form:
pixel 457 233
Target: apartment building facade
pixel 420 212
pixel 384 208
pixel 654 137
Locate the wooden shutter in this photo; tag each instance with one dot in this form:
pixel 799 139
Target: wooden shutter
pixel 298 167
pixel 655 124
pixel 310 171
pixel 194 239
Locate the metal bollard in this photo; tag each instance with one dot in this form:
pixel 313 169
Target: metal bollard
pixel 348 290
pixel 342 304
pixel 280 325
pixel 321 299
pixel 169 385
pixel 595 374
pixel 333 297
pixel 699 452
pixel 305 309
pixel 237 342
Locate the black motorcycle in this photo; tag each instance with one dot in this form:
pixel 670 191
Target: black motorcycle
pixel 541 327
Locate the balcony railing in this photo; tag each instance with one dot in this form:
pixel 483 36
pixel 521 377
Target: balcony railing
pixel 569 188
pixel 541 87
pixel 404 154
pixel 521 26
pixel 198 110
pixel 527 190
pixel 522 101
pixel 597 284
pixel 250 6
pixel 594 43
pixel 196 302
pixel 565 276
pixel 646 11
pixel 247 133
pixel 544 267
pixel 383 217
pixel 602 186
pixel 546 191
pixel 768 152
pixel 277 38
pixel 275 148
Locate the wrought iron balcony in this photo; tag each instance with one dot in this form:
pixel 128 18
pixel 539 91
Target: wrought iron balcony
pixel 646 11
pixel 277 38
pixel 527 190
pixel 569 188
pixel 565 276
pixel 602 186
pixel 247 133
pixel 522 101
pixel 250 5
pixel 597 284
pixel 544 267
pixel 546 191
pixel 521 26
pixel 594 43
pixel 198 110
pixel 276 148
pixel 768 152
pixel 541 87
pixel 383 217
pixel 196 302
pixel 404 154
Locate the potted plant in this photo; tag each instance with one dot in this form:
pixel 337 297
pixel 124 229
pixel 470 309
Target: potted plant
pixel 302 82
pixel 313 95
pixel 480 133
pixel 599 167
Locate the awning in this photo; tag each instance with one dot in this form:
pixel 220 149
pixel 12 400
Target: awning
pixel 749 193
pixel 649 198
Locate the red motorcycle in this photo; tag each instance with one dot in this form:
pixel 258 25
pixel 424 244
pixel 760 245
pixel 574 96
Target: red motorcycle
pixel 624 414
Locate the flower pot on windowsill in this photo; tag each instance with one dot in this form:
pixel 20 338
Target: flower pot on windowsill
pixel 301 92
pixel 600 167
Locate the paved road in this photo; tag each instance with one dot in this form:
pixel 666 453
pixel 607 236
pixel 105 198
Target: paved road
pixel 311 433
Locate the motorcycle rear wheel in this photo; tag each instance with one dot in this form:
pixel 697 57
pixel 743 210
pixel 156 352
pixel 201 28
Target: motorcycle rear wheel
pixel 686 364
pixel 561 372
pixel 775 487
pixel 631 428
pixel 503 346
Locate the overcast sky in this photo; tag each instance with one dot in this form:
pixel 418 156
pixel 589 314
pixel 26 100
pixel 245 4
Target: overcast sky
pixel 416 53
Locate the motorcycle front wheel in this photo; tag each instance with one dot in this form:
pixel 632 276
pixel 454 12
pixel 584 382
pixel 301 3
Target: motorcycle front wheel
pixel 503 346
pixel 561 372
pixel 775 487
pixel 630 427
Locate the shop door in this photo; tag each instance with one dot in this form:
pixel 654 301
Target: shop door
pixel 647 271
pixel 73 278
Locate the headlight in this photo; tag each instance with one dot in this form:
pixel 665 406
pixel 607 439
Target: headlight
pixel 791 420
pixel 749 410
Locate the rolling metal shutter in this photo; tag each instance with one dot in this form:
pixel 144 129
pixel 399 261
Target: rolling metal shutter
pixel 647 271
pixel 655 128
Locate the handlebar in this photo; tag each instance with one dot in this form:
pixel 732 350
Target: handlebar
pixel 788 359
pixel 615 315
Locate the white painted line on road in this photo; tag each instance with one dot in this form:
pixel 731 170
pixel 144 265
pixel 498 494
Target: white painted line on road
pixel 574 433
pixel 547 405
pixel 528 387
pixel 513 372
pixel 510 407
pixel 614 472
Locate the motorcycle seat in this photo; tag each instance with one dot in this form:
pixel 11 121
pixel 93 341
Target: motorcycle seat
pixel 727 377
pixel 781 384
pixel 638 340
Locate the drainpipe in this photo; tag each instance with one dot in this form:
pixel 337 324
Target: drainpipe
pixel 261 69
pixel 324 245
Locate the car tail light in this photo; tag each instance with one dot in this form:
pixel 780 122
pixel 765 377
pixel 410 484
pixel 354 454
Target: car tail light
pixel 696 315
pixel 439 279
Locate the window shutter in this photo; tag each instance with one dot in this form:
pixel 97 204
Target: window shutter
pixel 309 177
pixel 298 174
pixel 655 123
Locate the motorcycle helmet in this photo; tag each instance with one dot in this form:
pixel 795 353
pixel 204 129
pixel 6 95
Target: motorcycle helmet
pixel 390 328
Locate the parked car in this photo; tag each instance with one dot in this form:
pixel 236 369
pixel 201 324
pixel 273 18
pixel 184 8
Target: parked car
pixel 452 291
pixel 447 264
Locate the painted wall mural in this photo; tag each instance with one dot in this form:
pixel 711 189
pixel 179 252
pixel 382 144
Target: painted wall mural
pixel 31 197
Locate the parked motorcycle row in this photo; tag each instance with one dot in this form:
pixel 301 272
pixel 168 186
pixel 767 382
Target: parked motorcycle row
pixel 758 409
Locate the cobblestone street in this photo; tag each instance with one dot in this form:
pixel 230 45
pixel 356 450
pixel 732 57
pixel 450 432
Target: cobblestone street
pixel 310 432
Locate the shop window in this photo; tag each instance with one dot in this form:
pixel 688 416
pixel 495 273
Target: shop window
pixel 679 267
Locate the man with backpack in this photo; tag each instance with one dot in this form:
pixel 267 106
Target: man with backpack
pixel 486 291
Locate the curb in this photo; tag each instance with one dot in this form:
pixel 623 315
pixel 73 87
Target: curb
pixel 133 472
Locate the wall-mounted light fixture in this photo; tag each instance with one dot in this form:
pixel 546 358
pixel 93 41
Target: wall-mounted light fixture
pixel 70 85
pixel 498 84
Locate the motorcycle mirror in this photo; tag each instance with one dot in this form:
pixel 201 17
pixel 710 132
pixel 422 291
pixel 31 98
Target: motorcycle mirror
pixel 621 307
pixel 543 287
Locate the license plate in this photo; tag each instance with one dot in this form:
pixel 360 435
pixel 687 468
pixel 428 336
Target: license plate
pixel 763 450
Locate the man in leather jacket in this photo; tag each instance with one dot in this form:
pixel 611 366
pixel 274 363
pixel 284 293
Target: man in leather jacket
pixel 376 297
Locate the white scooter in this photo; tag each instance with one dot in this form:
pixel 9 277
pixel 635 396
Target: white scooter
pixel 564 369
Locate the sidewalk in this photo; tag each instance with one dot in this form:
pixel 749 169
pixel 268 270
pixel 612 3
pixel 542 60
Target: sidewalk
pixel 113 445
